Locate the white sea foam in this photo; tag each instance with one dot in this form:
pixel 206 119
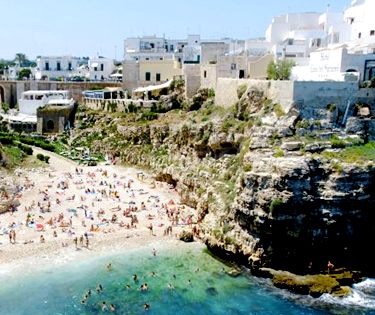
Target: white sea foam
pixel 366 284
pixel 356 298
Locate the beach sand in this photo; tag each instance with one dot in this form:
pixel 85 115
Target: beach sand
pixel 45 186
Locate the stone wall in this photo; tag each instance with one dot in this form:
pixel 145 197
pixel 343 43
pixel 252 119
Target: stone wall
pixel 226 91
pixel 310 96
pixel 192 74
pixel 258 69
pixel 121 104
pixel 208 76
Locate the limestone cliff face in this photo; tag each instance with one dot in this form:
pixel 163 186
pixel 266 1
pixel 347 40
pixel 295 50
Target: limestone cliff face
pixel 270 187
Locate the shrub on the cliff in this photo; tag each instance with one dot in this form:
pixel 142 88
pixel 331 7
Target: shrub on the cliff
pixel 25 148
pixel 338 144
pixel 6 140
pixel 241 90
pixel 228 123
pixel 279 153
pixel 278 110
pixel 276 206
pixel 40 157
pixel 148 116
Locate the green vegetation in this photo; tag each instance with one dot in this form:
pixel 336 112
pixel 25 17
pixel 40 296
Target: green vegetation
pixel 278 110
pixel 279 153
pixel 13 156
pixel 24 73
pixel 331 107
pixel 241 90
pixel 42 157
pixel 275 206
pixel 9 138
pixel 280 69
pixel 227 124
pixel 25 148
pixel 338 144
pixel 5 107
pixel 355 154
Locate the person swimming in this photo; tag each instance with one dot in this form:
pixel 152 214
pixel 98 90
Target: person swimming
pixel 111 308
pixel 135 278
pixel 128 287
pixel 170 286
pixel 109 266
pixel 147 306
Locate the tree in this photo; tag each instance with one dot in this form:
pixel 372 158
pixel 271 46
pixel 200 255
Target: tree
pixel 280 69
pixel 5 106
pixel 21 58
pixel 24 73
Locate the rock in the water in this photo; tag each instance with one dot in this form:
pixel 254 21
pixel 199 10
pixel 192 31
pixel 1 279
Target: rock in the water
pixel 186 236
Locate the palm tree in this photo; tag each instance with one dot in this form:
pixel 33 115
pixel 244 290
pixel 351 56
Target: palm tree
pixel 20 58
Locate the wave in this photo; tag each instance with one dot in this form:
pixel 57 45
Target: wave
pixel 357 298
pixel 366 284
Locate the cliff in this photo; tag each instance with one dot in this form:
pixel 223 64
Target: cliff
pixel 272 187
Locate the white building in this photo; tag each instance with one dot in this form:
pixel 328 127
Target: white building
pixel 30 101
pixel 296 35
pixel 149 48
pixel 360 17
pixel 53 68
pixel 101 68
pixel 336 64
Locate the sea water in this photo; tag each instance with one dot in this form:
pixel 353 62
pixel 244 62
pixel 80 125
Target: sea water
pixel 60 288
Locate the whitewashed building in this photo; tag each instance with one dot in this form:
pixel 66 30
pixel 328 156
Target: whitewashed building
pixel 53 68
pixel 360 17
pixel 101 68
pixel 336 64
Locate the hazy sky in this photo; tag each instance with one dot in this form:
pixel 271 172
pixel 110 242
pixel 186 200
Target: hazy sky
pixel 91 27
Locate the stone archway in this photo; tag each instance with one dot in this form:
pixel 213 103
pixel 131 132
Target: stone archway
pixel 2 94
pixel 50 125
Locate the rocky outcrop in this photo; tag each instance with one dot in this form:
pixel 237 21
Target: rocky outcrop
pixel 270 188
pixel 314 285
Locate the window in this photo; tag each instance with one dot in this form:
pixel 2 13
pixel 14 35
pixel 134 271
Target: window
pixel 158 77
pixel 47 66
pixel 171 47
pixel 205 74
pixel 152 45
pixel 147 58
pixel 359 35
pixel 233 66
pixel 95 68
pixel 101 67
pixel 70 66
pixel 290 41
pixel 372 32
pixel 58 66
pixel 161 58
pixel 148 76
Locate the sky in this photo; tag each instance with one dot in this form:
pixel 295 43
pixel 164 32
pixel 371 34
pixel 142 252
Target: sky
pixel 88 28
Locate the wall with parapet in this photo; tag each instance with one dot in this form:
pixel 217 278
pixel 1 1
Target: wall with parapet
pixel 121 104
pixel 309 96
pixel 13 89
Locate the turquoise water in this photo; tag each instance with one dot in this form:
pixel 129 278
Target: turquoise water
pixel 60 290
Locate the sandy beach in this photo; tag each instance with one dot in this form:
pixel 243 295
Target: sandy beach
pixel 69 212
